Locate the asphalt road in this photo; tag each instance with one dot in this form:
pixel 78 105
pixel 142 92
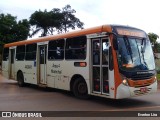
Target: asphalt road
pixel 32 98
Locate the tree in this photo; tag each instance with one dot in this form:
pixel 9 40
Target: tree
pixel 158 47
pixel 69 20
pixel 11 30
pixel 153 38
pixel 6 27
pixel 54 20
pixel 39 21
pixel 45 21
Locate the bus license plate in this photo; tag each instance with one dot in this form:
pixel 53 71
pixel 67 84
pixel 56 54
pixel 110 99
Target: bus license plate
pixel 143 90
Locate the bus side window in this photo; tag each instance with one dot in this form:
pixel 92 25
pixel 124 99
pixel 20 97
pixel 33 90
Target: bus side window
pixel 31 52
pixel 56 49
pixel 105 50
pixel 76 48
pixel 5 54
pixel 20 52
pixel 96 52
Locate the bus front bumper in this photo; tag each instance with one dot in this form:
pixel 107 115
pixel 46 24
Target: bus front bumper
pixel 127 92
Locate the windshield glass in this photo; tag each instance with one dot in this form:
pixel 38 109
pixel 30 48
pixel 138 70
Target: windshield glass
pixel 135 54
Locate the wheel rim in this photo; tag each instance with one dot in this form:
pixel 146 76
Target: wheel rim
pixel 82 88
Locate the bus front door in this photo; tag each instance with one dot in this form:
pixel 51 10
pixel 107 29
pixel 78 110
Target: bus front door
pixel 42 64
pixel 12 64
pixel 100 67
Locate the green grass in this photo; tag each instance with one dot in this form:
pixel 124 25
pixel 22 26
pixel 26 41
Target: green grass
pixel 157 62
pixel 158 77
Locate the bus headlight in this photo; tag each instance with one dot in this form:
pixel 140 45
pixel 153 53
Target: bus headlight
pixel 125 82
pixel 155 78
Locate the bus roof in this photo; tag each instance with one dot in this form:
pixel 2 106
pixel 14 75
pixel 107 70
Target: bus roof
pixel 98 29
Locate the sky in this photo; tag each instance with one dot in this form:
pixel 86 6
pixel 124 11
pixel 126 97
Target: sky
pixel 143 14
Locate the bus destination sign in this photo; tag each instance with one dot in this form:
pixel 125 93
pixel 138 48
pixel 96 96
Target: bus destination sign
pixel 130 32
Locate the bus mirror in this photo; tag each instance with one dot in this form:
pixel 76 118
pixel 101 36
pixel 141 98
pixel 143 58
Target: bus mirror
pixel 115 44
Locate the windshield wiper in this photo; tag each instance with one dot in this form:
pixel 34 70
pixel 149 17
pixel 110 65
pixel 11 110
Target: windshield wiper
pixel 127 44
pixel 143 43
pixel 143 47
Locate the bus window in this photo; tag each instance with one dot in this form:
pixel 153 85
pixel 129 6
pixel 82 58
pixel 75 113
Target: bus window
pixel 43 54
pixel 96 52
pixel 76 48
pixel 5 54
pixel 31 51
pixel 105 49
pixel 20 52
pixel 56 49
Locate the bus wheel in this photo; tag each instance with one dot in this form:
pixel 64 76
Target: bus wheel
pixel 20 79
pixel 80 89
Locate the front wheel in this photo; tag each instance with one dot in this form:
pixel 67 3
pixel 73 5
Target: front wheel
pixel 80 89
pixel 20 79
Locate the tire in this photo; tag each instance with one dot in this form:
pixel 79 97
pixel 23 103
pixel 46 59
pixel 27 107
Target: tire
pixel 20 79
pixel 80 89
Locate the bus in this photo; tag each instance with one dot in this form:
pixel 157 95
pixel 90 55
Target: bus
pixel 112 61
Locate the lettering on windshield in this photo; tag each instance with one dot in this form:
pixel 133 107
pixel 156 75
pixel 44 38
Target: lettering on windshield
pixel 130 32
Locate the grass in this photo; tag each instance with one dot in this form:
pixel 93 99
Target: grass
pixel 157 62
pixel 158 77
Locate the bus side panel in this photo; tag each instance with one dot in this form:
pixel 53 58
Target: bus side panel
pixel 50 76
pixel 56 75
pixel 5 69
pixel 28 69
pixel 59 74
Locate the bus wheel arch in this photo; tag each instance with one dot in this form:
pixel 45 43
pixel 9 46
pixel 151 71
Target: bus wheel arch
pixel 79 87
pixel 20 78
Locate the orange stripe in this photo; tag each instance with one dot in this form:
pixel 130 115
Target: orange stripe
pixel 117 78
pixel 103 28
pixel 141 82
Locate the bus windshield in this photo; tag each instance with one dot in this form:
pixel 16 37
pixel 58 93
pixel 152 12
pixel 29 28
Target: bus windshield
pixel 135 54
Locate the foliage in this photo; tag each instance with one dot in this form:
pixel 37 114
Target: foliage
pixel 157 47
pixel 158 77
pixel 44 21
pixel 11 30
pixel 69 20
pixel 153 38
pixel 54 20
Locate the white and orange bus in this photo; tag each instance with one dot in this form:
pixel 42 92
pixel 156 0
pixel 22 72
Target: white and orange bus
pixel 110 61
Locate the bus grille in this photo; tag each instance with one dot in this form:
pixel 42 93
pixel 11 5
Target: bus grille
pixel 138 92
pixel 142 77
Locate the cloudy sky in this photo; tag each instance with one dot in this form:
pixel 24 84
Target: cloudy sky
pixel 143 14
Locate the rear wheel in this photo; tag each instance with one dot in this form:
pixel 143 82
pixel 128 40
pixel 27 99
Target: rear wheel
pixel 20 79
pixel 80 89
